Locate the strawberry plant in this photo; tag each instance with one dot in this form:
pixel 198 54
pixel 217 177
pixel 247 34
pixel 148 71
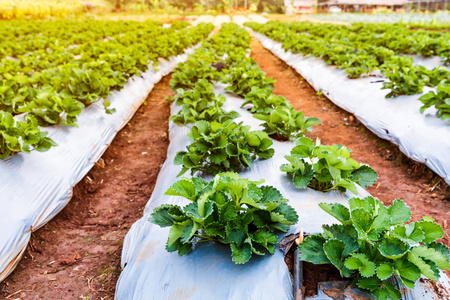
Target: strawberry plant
pixel 200 103
pixel 285 123
pixel 18 136
pixel 263 101
pixel 220 147
pixel 403 81
pixel 374 243
pixel 187 74
pixel 325 167
pixel 244 76
pixel 439 99
pixel 229 210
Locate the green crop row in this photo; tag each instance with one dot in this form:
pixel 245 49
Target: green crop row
pixel 361 49
pixel 58 94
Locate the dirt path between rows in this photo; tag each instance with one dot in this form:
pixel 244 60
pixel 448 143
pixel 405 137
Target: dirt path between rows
pixel 77 254
pixel 399 177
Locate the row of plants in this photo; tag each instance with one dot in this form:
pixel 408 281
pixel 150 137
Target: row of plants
pixel 221 145
pixel 58 95
pixel 20 37
pixel 373 244
pixel 361 49
pixel 228 209
pixel 119 40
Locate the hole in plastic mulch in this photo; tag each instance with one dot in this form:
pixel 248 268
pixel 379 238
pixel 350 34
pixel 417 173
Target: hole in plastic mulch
pixel 318 282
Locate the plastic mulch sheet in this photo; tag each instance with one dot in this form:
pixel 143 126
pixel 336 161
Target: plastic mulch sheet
pixel 422 137
pixel 150 272
pixel 35 187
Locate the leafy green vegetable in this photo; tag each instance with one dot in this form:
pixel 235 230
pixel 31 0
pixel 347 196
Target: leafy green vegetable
pixel 200 103
pixel 241 78
pixel 363 48
pixel 286 123
pixel 374 243
pixel 219 147
pixel 263 101
pixel 229 210
pixel 439 99
pixel 21 136
pixel 325 167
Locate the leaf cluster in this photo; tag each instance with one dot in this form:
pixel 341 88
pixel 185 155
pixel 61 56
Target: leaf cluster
pixel 230 210
pixel 439 99
pixel 241 78
pixel 326 167
pixel 220 147
pixel 285 123
pixel 16 136
pixel 374 243
pixel 200 103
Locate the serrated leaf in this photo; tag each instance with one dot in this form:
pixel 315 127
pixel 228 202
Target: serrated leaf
pixel 370 284
pixel 432 254
pixel 387 291
pixel 407 272
pixel 334 250
pixel 161 216
pixel 393 248
pixel 399 212
pixel 337 210
pixel 311 250
pixel 385 270
pixel 365 176
pixel 184 188
pixel 241 254
pixel 359 261
pixel 431 230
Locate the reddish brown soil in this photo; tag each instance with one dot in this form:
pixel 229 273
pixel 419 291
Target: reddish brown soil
pixel 399 177
pixel 313 274
pixel 77 254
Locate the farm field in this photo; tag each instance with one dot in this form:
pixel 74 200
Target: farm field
pixel 101 245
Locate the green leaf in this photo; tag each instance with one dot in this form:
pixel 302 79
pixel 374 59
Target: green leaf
pixel 431 230
pixel 409 233
pixel 393 248
pixel 399 212
pixel 161 216
pixel 359 261
pixel 175 232
pixel 432 254
pixel 311 250
pixel 385 270
pixel 387 291
pixel 334 249
pixel 241 254
pixel 370 284
pixel 365 176
pixel 184 188
pixel 407 272
pixel 337 210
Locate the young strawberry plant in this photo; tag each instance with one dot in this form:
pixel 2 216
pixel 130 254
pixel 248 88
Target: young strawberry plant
pixel 439 99
pixel 200 103
pixel 285 123
pixel 244 76
pixel 230 210
pixel 374 243
pixel 21 136
pixel 263 101
pixel 404 81
pixel 220 147
pixel 187 74
pixel 326 167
